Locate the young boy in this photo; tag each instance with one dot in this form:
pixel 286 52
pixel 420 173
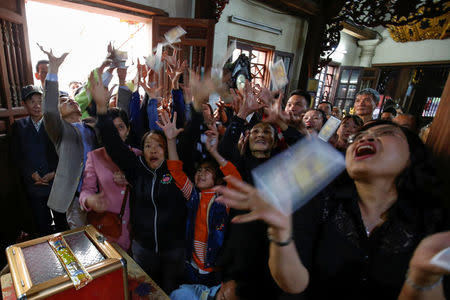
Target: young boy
pixel 207 219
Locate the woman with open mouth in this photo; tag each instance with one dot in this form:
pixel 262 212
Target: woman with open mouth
pixel 372 238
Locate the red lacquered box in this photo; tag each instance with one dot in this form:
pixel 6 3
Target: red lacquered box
pixel 37 272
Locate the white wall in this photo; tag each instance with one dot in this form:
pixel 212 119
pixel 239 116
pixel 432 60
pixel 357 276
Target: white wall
pixel 175 8
pixel 347 53
pixel 389 51
pixel 291 40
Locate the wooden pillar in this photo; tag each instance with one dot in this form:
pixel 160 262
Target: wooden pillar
pixel 439 141
pixel 311 55
pixel 439 136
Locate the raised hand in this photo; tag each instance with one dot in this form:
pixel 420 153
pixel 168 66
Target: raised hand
pixel 106 63
pixel 245 197
pixel 174 72
pixel 150 84
pixel 97 202
pixel 251 103
pixel 212 138
pixel 275 113
pixel 200 89
pixel 243 140
pixel 170 59
pixel 169 127
pixel 220 113
pixel 264 94
pixel 421 271
pixel 122 74
pixel 53 61
pixel 99 93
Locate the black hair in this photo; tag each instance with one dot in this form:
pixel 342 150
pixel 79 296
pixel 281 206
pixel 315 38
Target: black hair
pixel 115 112
pixel 356 119
pixel 415 120
pixel 306 95
pixel 41 62
pixel 326 102
pixel 75 81
pixel 390 109
pixel 419 181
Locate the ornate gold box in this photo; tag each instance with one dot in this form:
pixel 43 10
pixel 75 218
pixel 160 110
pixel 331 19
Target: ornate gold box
pixel 37 273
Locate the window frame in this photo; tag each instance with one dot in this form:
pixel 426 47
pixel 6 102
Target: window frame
pixel 246 45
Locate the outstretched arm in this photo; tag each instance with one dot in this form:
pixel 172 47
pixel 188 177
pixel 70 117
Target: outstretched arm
pixel 171 132
pixel 120 153
pixel 52 119
pixel 174 165
pixel 284 262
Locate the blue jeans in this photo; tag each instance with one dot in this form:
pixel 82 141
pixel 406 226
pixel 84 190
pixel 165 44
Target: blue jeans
pixel 194 292
pixel 194 277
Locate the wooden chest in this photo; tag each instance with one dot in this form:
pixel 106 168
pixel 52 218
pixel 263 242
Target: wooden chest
pixel 37 273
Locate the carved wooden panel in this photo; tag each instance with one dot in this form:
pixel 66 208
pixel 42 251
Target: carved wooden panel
pixel 15 61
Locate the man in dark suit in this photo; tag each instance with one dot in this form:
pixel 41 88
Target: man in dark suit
pixel 36 158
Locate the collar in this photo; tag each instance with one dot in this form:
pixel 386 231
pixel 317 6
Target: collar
pixel 38 123
pixel 403 207
pixel 144 163
pixel 209 191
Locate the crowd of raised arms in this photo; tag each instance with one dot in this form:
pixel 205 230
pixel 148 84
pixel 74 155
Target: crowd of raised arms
pixel 179 173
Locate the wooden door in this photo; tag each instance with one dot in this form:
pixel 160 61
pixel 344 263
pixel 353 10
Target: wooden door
pixel 196 45
pixel 15 61
pixel 15 72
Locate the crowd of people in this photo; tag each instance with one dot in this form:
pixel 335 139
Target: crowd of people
pixel 178 173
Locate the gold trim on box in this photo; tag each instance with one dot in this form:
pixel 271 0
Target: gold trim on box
pixel 56 285
pixel 438 28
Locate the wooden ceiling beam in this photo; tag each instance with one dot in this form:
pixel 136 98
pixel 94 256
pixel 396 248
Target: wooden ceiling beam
pixel 304 8
pixel 361 33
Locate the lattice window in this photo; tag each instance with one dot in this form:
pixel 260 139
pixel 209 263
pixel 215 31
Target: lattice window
pixel 324 89
pixel 259 60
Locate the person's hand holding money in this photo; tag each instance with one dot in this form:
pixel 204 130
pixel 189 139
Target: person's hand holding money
pixel 422 272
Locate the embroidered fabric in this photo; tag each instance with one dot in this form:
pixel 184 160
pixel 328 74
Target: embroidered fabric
pixel 398 234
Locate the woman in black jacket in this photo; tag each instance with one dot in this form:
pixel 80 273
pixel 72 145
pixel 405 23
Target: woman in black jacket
pixel 157 207
pixel 363 239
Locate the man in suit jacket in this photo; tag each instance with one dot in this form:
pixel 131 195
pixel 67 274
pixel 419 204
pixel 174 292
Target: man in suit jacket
pixel 73 139
pixel 36 158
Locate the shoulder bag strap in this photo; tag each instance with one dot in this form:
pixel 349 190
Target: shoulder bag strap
pixel 124 202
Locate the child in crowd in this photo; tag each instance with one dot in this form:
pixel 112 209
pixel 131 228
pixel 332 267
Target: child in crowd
pixel 207 219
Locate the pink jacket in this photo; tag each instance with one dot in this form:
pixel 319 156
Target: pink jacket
pixel 99 171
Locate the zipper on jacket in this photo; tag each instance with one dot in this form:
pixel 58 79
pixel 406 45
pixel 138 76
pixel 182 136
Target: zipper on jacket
pixel 153 201
pixel 156 215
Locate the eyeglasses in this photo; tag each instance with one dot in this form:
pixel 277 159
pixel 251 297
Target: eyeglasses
pixel 376 133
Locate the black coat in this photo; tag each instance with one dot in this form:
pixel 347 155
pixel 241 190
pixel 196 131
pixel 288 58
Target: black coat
pixel 157 206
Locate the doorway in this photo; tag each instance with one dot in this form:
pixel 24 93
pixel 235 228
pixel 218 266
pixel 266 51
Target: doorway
pixel 86 35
